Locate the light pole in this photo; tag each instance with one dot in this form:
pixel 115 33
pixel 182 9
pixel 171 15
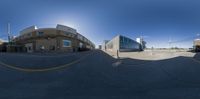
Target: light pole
pixel 8 31
pixel 170 41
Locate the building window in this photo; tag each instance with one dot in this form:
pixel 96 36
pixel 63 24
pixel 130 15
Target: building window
pixel 121 39
pixel 80 37
pixel 81 45
pixel 29 34
pixel 52 47
pixel 66 43
pixel 40 33
pixel 29 48
pixel 66 33
pixel 42 47
pixel 69 34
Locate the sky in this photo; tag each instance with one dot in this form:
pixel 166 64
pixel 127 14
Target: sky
pixel 157 21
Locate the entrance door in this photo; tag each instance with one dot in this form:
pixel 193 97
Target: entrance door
pixel 29 47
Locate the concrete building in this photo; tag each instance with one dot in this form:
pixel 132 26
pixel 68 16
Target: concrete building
pixel 59 39
pixel 197 45
pixel 1 42
pixel 122 43
pixel 3 46
pixel 100 47
pixel 104 44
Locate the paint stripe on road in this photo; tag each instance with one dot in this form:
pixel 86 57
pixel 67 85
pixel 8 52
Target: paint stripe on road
pixel 116 64
pixel 43 69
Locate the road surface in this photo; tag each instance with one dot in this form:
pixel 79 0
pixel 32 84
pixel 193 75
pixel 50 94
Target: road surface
pixel 99 76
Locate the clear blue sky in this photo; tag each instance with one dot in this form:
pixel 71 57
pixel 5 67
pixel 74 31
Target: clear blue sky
pixel 156 20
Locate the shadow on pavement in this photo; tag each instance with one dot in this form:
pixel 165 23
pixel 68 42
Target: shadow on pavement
pixel 102 76
pixel 197 56
pixel 38 60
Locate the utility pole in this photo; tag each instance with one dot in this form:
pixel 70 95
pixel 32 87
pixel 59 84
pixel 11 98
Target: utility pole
pixel 141 42
pixel 9 37
pixel 9 33
pixel 170 41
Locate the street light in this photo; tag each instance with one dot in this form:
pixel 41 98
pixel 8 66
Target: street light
pixel 170 41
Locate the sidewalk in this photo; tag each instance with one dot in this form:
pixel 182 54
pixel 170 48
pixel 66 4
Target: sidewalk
pixel 151 54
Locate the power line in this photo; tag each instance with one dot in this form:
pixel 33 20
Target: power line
pixel 184 40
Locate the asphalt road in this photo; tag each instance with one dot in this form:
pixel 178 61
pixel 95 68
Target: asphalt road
pixel 99 76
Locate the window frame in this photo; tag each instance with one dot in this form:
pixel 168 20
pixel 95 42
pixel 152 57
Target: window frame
pixel 40 33
pixel 70 43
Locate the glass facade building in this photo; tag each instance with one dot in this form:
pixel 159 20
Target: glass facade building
pixel 127 44
pixel 122 43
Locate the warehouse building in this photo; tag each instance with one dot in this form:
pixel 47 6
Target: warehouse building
pixel 59 39
pixel 122 43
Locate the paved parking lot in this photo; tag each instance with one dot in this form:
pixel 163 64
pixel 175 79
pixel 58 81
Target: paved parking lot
pixel 152 54
pixel 99 75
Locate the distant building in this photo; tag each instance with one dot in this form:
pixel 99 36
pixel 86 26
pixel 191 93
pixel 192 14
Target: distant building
pixel 100 47
pixel 59 39
pixel 141 42
pixel 104 44
pixel 122 43
pixel 197 45
pixel 1 42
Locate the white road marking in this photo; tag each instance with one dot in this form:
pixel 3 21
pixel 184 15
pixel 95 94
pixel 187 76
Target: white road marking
pixel 116 64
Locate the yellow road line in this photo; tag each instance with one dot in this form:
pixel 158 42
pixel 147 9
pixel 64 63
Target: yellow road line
pixel 43 69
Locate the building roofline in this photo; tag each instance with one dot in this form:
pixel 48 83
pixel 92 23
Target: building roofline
pixel 35 28
pixel 39 29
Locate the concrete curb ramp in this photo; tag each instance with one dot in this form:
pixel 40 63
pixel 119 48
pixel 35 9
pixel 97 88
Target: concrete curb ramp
pixel 43 69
